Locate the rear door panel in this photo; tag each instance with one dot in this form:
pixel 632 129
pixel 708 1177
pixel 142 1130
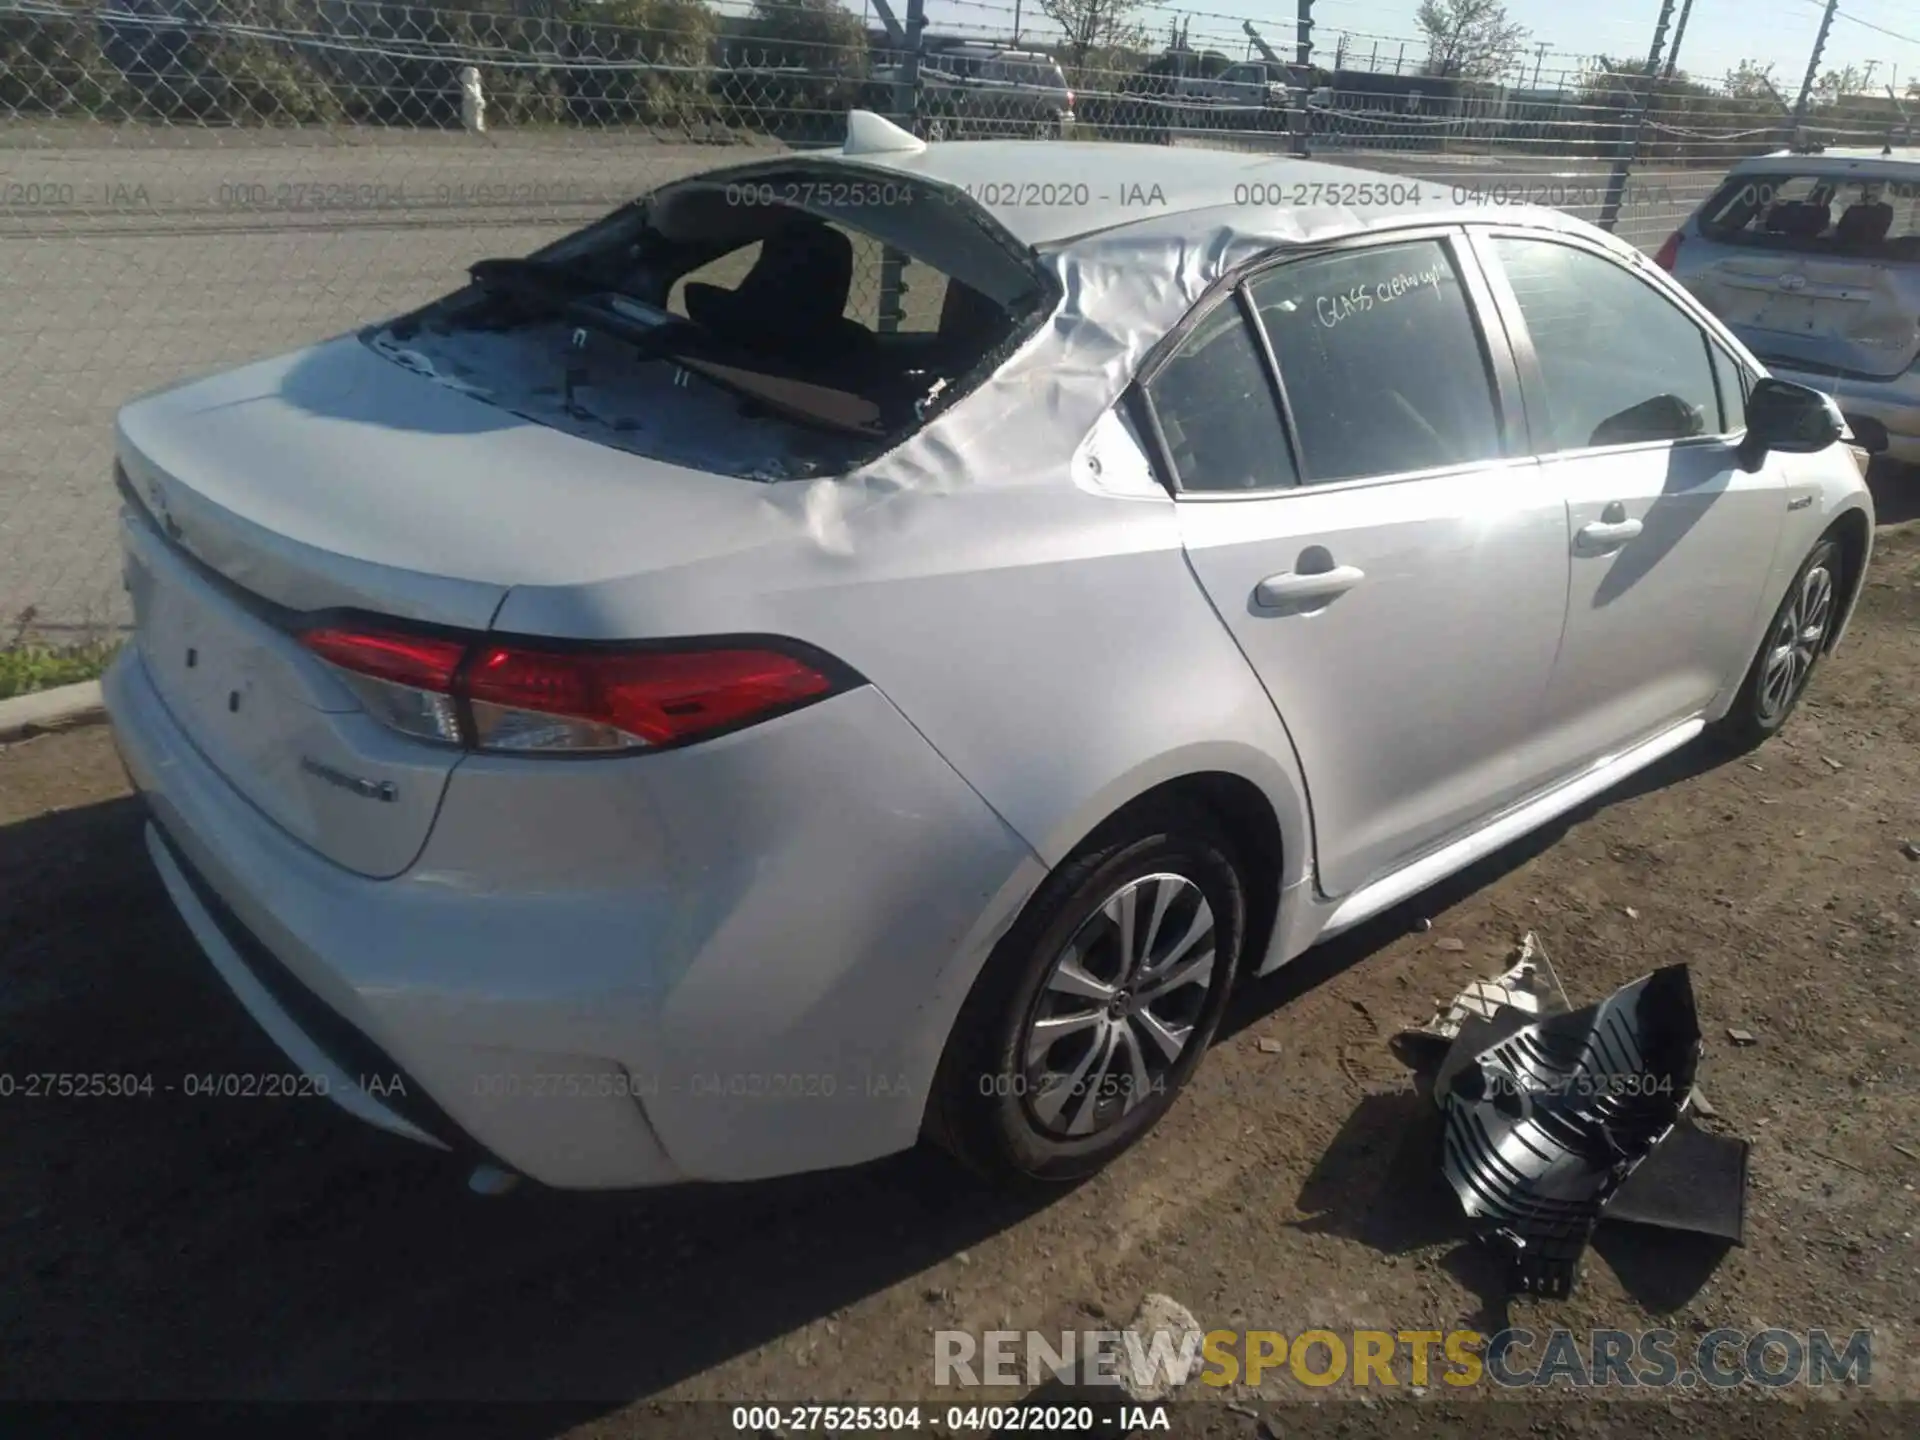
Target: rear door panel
pixel 1411 689
pixel 1413 698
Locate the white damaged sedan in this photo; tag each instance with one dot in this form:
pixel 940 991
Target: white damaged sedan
pixel 875 643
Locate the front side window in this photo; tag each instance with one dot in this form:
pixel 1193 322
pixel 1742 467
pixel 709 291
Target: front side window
pixel 1382 362
pixel 1735 382
pixel 1216 408
pixel 1621 363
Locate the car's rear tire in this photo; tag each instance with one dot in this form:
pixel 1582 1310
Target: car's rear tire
pixel 1105 974
pixel 1796 638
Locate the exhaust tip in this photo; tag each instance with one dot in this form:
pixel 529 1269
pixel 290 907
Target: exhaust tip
pixel 491 1180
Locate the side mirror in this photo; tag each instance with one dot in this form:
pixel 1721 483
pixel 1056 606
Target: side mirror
pixel 1792 419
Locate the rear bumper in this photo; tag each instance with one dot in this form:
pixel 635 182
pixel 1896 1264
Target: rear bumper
pixel 621 974
pixel 1894 403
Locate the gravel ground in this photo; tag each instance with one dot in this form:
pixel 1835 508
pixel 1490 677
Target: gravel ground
pixel 252 1249
pixel 132 258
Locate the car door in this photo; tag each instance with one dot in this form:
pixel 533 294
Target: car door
pixel 1636 411
pixel 1363 517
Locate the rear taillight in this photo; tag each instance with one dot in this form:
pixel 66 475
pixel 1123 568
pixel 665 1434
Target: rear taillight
pixel 405 681
pixel 489 694
pixel 1669 252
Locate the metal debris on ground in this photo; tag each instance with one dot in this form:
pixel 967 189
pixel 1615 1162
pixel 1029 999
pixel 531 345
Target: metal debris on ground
pixel 1555 1118
pixel 1743 1037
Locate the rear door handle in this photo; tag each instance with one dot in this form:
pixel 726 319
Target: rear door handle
pixel 1285 589
pixel 1602 535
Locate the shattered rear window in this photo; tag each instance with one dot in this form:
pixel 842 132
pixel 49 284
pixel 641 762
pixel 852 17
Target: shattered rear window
pixel 1818 214
pixel 770 323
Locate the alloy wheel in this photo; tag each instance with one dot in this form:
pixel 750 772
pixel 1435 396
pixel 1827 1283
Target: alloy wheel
pixel 1798 633
pixel 1119 1006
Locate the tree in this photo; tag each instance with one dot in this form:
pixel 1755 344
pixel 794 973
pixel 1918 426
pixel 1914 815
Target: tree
pixel 1750 80
pixel 1089 25
pixel 664 45
pixel 820 35
pixel 1470 39
pixel 1836 85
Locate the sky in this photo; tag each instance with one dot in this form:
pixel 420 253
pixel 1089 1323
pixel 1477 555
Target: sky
pixel 1720 33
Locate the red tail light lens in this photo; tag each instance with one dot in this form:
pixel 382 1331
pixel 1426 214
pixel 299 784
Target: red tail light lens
pixel 494 696
pixel 1669 252
pixel 404 681
pixel 424 662
pixel 615 699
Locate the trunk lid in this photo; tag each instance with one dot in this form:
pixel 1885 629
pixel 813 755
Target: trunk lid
pixel 335 477
pixel 1823 312
pixel 335 480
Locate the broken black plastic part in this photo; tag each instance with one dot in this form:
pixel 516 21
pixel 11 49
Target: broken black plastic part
pixel 1542 1266
pixel 1545 1121
pixel 1693 1182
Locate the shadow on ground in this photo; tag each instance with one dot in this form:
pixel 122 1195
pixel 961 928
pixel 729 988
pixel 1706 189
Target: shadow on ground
pixel 1896 491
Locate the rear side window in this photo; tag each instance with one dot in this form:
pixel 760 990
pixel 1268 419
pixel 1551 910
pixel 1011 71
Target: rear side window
pixel 1216 408
pixel 1381 360
pixel 1621 363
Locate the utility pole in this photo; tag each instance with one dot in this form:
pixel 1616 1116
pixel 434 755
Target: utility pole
pixel 1539 60
pixel 1630 139
pixel 1679 34
pixel 906 104
pixel 1304 48
pixel 1813 67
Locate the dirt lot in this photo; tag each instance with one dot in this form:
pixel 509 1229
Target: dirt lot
pixel 254 1249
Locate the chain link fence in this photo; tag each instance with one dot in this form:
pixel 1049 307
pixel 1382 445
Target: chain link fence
pixel 186 184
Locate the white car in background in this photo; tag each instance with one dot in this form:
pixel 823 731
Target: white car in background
pixel 1814 261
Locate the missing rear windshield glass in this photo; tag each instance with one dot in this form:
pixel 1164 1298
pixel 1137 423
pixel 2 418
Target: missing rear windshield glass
pixel 773 323
pixel 1856 216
